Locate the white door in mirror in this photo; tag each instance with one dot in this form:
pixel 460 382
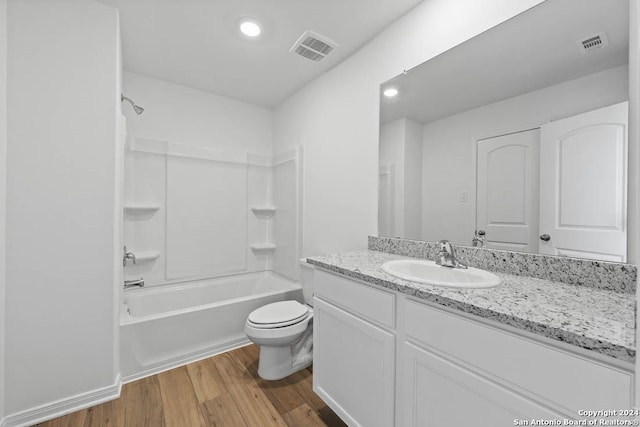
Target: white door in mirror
pixel 507 191
pixel 582 185
pixel 428 272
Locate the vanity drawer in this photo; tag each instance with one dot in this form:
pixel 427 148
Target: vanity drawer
pixel 366 301
pixel 560 379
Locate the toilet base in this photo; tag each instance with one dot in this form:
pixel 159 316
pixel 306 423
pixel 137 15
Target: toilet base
pixel 277 362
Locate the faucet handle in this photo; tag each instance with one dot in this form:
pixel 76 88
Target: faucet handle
pixel 127 255
pixel 444 253
pixel 446 256
pixel 445 246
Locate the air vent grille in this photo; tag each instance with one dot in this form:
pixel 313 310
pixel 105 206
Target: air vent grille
pixel 313 46
pixel 308 53
pixel 593 42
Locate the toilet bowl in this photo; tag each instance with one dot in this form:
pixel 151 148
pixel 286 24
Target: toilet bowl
pixel 284 332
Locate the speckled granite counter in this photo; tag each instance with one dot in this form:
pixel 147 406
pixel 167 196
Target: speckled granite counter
pixel 595 319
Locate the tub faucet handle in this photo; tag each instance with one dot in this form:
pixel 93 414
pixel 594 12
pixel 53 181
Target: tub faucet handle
pixel 127 255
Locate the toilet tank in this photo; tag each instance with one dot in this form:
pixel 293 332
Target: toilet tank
pixel 306 280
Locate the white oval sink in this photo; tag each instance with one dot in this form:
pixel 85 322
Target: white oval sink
pixel 425 271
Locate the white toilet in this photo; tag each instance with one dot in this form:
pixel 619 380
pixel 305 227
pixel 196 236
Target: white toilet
pixel 284 332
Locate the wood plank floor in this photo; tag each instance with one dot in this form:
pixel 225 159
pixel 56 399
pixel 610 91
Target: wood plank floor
pixel 224 390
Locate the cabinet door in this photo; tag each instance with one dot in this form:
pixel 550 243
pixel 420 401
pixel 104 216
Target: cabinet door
pixel 353 366
pixel 440 393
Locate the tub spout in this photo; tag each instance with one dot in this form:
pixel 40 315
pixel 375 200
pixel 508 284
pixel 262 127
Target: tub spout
pixel 139 283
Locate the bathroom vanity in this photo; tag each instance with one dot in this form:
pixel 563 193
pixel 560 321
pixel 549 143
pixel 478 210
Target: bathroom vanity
pixel 393 352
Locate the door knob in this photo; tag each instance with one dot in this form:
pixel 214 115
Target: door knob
pixel 545 237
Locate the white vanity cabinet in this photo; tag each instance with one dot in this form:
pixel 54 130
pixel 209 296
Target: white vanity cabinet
pixel 354 350
pixel 451 368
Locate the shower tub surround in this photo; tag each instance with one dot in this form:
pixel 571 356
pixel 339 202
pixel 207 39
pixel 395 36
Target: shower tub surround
pixel 216 235
pixel 588 304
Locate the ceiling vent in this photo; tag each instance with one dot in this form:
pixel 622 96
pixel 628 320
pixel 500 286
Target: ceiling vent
pixel 593 42
pixel 313 46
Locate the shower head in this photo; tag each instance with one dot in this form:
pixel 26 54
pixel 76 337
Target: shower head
pixel 138 109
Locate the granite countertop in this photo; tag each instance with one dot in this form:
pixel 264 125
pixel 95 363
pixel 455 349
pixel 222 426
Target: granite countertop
pixel 599 320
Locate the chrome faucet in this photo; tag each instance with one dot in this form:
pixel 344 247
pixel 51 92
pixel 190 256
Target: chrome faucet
pixel 446 257
pixel 139 283
pixel 127 255
pixel 478 239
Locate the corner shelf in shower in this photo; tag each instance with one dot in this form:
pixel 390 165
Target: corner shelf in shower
pixel 146 256
pixel 141 208
pixel 263 212
pixel 263 247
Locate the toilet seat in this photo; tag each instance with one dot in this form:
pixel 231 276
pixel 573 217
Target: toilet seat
pixel 278 315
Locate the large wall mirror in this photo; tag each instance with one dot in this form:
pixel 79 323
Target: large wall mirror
pixel 519 134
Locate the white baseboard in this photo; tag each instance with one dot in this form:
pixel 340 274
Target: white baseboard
pixel 63 406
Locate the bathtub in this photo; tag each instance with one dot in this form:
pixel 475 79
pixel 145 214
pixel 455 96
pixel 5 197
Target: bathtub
pixel 168 326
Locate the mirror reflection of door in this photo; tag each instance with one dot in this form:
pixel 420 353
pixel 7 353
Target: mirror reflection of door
pixel 507 191
pixel 583 180
pixel 581 194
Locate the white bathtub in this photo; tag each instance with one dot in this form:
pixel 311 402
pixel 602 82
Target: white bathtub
pixel 168 326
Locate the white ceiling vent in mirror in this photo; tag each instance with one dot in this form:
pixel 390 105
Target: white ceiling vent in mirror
pixel 313 46
pixel 593 42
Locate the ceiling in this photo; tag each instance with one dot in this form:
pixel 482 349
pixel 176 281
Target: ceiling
pixel 534 50
pixel 196 42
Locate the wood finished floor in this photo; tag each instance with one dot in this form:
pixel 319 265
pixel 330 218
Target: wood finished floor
pixel 223 390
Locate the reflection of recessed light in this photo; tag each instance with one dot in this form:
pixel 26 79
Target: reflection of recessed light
pixel 391 92
pixel 250 28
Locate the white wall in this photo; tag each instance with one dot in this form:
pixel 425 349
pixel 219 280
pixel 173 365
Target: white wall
pixel 401 149
pixel 633 225
pixel 3 186
pixel 118 199
pixel 413 180
pixel 194 118
pixel 449 159
pixel 62 84
pixel 391 153
pixel 336 118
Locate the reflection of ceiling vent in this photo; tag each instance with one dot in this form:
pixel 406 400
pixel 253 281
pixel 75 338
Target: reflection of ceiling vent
pixel 593 42
pixel 313 46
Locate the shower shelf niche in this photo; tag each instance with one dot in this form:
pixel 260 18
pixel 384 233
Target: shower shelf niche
pixel 263 212
pixel 141 208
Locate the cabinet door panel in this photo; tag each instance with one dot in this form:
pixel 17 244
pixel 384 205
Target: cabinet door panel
pixel 353 366
pixel 559 379
pixel 440 393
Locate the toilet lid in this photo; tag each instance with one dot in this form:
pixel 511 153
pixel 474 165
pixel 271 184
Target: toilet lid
pixel 278 314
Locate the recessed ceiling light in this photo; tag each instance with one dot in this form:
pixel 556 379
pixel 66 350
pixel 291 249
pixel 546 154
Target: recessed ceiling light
pixel 390 92
pixel 250 28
